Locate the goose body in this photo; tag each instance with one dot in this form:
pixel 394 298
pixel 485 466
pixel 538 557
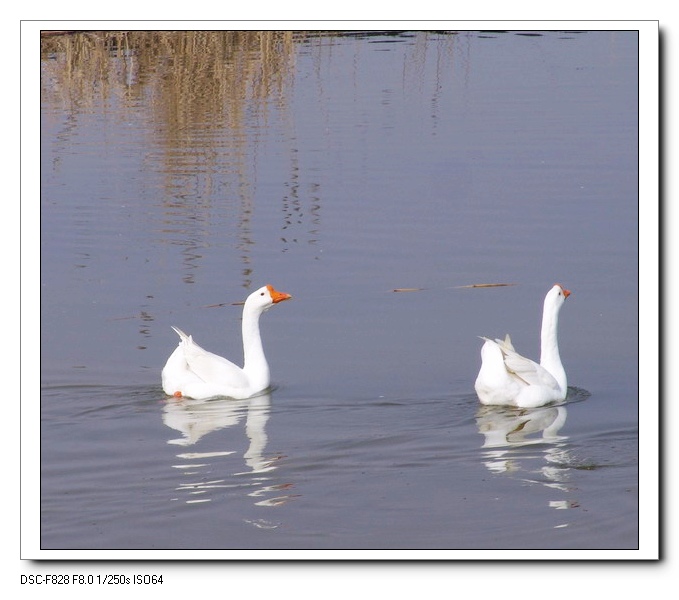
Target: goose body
pixel 507 378
pixel 193 372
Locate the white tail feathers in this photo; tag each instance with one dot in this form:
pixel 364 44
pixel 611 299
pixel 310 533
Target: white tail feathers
pixel 181 334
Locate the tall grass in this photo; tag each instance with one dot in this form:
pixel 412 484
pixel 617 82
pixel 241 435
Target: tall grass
pixel 187 76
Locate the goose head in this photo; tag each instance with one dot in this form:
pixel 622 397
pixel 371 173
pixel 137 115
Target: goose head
pixel 264 298
pixel 556 296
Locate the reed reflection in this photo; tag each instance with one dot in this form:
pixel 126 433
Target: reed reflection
pixel 201 472
pixel 204 102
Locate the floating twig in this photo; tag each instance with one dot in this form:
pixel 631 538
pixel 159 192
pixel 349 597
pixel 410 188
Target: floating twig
pixel 220 304
pixel 485 285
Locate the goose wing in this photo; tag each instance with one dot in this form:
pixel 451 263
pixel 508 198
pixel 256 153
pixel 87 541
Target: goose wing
pixel 210 368
pixel 524 368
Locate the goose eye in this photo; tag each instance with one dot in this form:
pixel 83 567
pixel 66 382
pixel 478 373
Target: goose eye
pixel 261 293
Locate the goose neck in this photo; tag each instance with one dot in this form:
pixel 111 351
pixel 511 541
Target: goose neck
pixel 254 360
pixel 549 347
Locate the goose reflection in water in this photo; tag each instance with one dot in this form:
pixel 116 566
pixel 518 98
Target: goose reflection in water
pixel 507 426
pixel 507 433
pixel 195 419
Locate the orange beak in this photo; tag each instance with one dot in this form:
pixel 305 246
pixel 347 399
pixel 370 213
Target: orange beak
pixel 277 296
pixel 566 292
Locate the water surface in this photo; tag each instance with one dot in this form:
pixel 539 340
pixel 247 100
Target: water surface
pixel 181 170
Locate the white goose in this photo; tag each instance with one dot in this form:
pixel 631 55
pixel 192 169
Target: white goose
pixel 508 378
pixel 196 373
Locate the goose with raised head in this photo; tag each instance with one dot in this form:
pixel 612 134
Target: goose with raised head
pixel 508 378
pixel 196 373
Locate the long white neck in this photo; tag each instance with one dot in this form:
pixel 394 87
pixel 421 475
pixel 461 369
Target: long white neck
pixel 549 345
pixel 254 364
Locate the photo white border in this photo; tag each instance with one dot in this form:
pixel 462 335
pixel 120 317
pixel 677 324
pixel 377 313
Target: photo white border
pixel 648 295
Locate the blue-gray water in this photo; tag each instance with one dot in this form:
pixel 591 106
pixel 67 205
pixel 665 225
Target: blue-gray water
pixel 181 170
